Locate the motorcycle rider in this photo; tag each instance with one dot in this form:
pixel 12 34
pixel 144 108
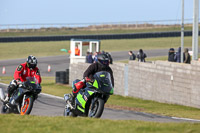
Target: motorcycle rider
pixel 24 70
pixel 102 64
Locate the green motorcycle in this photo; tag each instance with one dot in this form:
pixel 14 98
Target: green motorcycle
pixel 90 100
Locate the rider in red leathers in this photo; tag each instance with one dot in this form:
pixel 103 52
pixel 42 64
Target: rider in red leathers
pixel 24 70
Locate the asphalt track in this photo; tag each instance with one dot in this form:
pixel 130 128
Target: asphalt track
pixel 61 63
pixel 48 105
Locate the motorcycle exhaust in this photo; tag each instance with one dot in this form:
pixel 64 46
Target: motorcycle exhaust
pixel 66 98
pixel 2 94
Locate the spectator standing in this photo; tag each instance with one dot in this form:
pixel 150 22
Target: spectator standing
pixel 77 51
pixel 95 57
pixel 89 58
pixel 141 56
pixel 132 55
pixel 177 56
pixel 186 56
pixel 171 55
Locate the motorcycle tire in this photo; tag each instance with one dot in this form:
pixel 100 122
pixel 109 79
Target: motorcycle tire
pixel 27 107
pixel 98 109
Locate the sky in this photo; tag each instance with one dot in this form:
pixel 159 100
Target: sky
pixel 91 11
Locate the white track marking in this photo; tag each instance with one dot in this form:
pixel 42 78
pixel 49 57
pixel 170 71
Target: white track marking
pixel 49 95
pixel 186 119
pixel 4 84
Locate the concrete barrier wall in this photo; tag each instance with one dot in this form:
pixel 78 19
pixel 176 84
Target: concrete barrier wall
pixel 160 81
pixel 76 71
pixel 119 78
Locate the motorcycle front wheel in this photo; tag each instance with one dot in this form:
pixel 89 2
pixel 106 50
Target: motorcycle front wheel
pixel 27 106
pixel 96 109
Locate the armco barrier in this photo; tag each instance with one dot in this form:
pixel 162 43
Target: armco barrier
pixel 100 37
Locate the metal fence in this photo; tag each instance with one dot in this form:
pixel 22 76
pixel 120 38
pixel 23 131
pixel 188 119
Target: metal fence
pixel 95 26
pixel 100 37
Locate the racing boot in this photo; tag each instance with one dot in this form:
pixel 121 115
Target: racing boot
pixel 6 100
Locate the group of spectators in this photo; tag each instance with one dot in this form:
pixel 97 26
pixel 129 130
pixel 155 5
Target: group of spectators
pixel 176 56
pixel 172 56
pixel 92 58
pixel 140 56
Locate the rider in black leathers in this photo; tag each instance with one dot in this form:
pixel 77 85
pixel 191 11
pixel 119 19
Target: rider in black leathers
pixel 101 65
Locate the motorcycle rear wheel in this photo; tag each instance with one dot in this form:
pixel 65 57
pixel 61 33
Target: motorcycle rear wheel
pixel 97 111
pixel 27 107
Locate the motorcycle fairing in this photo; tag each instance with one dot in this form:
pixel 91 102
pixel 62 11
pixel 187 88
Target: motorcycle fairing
pixel 82 98
pixel 18 94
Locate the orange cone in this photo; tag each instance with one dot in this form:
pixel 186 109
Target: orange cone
pixel 4 70
pixel 49 68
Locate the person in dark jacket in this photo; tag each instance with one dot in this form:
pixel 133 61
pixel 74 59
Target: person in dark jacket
pixel 177 56
pixel 171 55
pixel 141 56
pixel 101 65
pixel 89 58
pixel 186 56
pixel 132 55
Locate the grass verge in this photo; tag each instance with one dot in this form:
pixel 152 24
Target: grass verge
pixel 23 49
pixel 120 102
pixel 41 124
pixel 38 49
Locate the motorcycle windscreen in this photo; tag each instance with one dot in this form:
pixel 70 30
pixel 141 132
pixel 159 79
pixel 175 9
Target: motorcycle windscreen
pixel 32 80
pixel 33 84
pixel 103 82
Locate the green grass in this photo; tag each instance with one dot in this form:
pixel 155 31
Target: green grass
pixel 49 86
pixel 120 102
pixel 151 43
pixel 39 49
pixel 154 107
pixel 42 124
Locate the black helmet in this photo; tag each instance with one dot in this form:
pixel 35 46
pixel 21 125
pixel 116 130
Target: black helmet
pixel 31 61
pixel 103 59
